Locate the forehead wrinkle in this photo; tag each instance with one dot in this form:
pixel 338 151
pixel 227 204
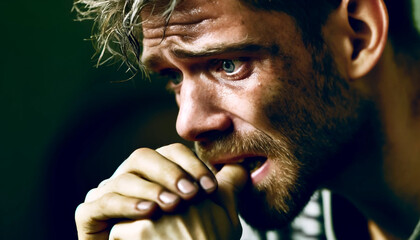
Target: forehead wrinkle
pixel 226 48
pixel 186 22
pixel 189 29
pixel 153 61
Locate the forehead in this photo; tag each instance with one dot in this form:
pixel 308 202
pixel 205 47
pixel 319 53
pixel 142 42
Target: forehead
pixel 197 25
pixel 188 16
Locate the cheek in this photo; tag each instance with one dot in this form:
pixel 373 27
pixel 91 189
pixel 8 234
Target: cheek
pixel 247 106
pixel 243 109
pixel 289 106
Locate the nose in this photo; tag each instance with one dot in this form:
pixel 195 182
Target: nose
pixel 200 115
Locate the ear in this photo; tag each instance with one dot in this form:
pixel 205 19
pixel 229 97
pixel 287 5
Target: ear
pixel 363 34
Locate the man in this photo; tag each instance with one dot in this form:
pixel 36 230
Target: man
pixel 281 98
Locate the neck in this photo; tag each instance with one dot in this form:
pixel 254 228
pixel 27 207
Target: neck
pixel 383 181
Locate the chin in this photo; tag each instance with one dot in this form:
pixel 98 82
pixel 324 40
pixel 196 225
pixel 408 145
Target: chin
pixel 273 203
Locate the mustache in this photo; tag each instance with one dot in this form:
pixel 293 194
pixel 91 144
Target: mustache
pixel 238 143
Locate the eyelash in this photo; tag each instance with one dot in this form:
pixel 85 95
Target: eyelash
pixel 240 72
pixel 215 68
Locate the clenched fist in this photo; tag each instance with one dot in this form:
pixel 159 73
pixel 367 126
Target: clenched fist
pixel 159 180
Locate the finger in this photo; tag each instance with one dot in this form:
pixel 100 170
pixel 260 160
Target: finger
pixel 94 193
pixel 154 167
pixel 111 206
pixel 131 185
pixel 94 218
pixel 185 158
pixel 232 179
pixel 96 236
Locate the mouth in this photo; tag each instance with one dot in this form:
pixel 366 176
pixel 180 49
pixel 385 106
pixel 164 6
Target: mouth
pixel 251 164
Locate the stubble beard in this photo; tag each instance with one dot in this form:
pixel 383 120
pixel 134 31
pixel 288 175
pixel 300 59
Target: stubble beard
pixel 315 115
pixel 272 202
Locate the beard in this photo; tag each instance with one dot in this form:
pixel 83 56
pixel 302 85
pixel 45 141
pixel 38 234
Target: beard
pixel 316 117
pixel 275 198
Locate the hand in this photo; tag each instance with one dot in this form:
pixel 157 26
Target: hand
pixel 146 182
pixel 214 218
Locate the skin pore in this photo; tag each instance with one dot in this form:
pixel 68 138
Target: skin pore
pixel 282 97
pixel 276 112
pixel 248 91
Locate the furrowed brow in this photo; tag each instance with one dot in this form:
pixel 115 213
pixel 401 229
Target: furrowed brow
pixel 153 61
pixel 224 49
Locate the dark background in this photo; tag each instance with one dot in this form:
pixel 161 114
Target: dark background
pixel 64 125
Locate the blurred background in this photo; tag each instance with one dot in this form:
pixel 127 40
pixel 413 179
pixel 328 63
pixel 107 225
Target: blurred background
pixel 64 124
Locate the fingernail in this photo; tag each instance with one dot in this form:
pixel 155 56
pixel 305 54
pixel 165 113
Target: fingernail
pixel 168 198
pixel 186 186
pixel 207 183
pixel 144 205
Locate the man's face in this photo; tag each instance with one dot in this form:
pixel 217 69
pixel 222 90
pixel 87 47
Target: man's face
pixel 250 92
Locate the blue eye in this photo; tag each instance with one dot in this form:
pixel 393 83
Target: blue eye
pixel 231 69
pixel 228 66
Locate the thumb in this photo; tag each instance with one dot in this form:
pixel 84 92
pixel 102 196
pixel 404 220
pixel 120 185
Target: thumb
pixel 231 180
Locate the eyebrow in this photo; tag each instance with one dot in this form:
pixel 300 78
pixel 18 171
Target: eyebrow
pixel 224 49
pixel 221 49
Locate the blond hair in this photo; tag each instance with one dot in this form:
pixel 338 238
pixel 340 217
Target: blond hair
pixel 117 33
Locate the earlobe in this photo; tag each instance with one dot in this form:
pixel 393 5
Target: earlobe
pixel 368 20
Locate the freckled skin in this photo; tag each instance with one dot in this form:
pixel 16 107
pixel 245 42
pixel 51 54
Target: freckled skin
pixel 291 98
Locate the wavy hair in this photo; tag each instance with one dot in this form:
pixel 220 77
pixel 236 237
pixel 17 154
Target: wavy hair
pixel 117 33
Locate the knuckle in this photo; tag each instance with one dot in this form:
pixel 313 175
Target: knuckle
pixel 103 183
pixel 106 200
pixel 140 152
pixel 91 195
pixel 143 228
pixel 177 145
pixel 126 182
pixel 80 213
pixel 119 181
pixel 139 229
pixel 171 147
